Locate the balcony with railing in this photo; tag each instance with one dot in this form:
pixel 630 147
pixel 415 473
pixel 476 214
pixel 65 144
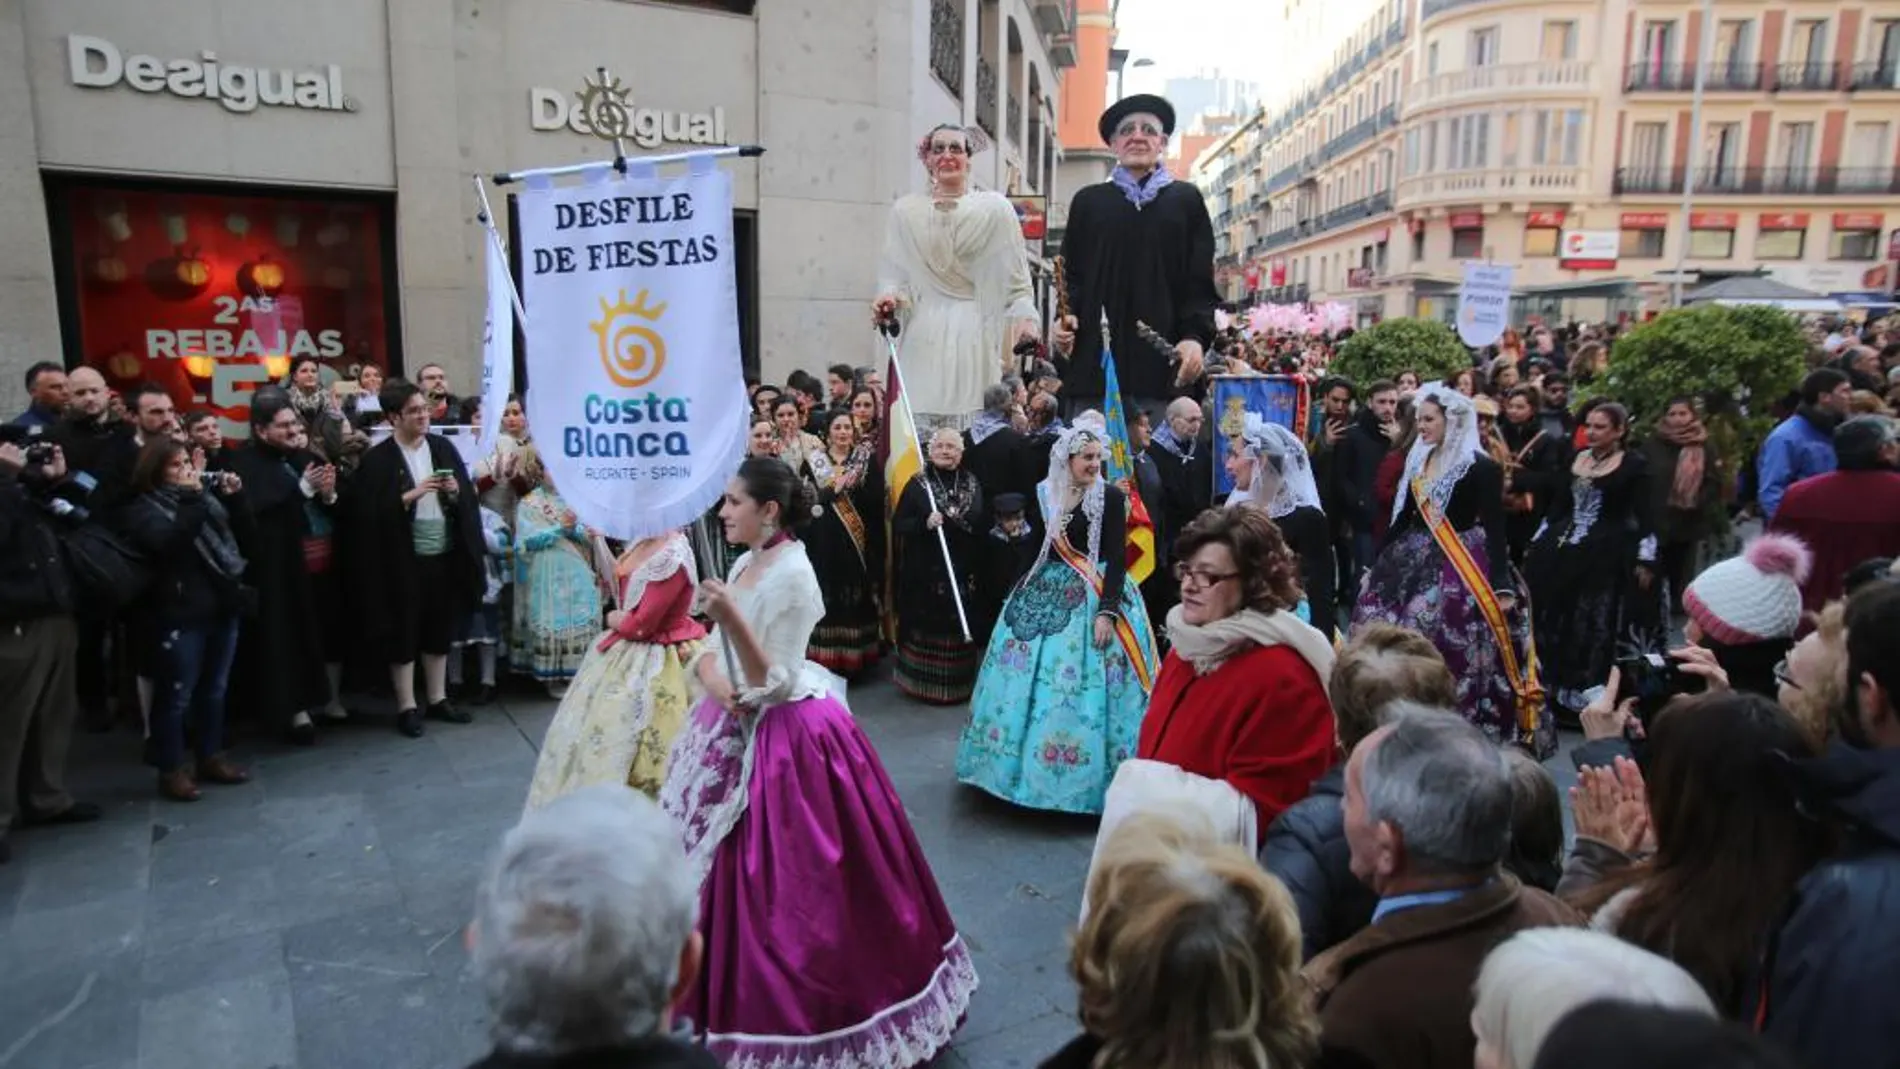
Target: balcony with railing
pixel 986 96
pixel 1013 120
pixel 946 44
pixel 1681 77
pixel 1360 133
pixel 1536 183
pixel 1877 75
pixel 1283 178
pixel 1810 77
pixel 1761 181
pixel 1562 77
pixel 1364 208
pixel 1294 294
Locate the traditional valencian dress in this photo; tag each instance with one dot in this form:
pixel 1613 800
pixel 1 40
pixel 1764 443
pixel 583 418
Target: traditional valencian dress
pixel 1445 561
pixel 630 698
pixel 935 663
pixel 1053 716
pixel 557 594
pixel 828 945
pixel 961 278
pixel 846 542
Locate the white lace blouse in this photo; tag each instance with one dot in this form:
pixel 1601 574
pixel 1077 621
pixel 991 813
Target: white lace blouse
pixel 782 609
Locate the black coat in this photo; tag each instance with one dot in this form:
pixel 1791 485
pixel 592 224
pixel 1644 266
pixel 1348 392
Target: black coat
pixel 280 665
pixel 1832 963
pixel 1309 535
pixel 1187 490
pixel 100 451
pixel 34 581
pixel 1306 849
pixel 1153 264
pixel 1477 501
pixel 379 566
pixel 1003 463
pixel 1356 469
pixel 186 591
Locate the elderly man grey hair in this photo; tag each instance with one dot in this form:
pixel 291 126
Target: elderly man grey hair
pixel 997 397
pixel 1433 801
pixel 585 927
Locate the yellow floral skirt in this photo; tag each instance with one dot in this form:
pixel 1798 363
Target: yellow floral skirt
pixel 617 722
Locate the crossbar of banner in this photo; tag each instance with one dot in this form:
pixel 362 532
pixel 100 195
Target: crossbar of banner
pixel 621 163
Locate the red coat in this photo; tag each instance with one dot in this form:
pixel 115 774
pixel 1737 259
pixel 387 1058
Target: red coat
pixel 1261 722
pixel 1845 517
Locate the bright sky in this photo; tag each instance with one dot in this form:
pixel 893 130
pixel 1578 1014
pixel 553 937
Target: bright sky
pixel 1184 37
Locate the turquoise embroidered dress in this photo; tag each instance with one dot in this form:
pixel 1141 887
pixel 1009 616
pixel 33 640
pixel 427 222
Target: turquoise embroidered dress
pixel 1053 716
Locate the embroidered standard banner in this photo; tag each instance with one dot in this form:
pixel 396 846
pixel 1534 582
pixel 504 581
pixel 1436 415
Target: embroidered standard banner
pixel 636 397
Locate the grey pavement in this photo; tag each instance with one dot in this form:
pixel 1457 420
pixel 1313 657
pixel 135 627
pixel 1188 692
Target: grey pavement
pixel 312 919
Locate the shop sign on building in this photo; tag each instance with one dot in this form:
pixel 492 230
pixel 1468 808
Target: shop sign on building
pixel 97 63
pixel 1588 250
pixel 604 108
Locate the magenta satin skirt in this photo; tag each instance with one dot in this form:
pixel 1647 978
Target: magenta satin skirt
pixel 827 941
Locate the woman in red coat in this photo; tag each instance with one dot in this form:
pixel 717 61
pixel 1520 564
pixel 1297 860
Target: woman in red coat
pixel 1242 697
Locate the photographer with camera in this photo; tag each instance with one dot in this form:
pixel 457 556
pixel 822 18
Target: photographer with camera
pixel 186 627
pixel 38 642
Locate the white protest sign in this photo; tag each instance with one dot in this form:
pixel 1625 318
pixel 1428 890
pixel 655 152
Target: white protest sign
pixel 635 390
pixel 1484 303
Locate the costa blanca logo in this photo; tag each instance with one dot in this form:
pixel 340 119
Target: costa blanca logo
pixel 633 353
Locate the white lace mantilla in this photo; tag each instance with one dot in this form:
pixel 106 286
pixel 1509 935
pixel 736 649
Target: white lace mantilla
pixel 909 1033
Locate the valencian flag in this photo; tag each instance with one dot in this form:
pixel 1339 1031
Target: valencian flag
pixel 1118 466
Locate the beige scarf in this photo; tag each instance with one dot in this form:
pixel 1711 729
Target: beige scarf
pixel 1209 646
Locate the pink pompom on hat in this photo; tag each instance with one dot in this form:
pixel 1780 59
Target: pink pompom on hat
pixel 1755 597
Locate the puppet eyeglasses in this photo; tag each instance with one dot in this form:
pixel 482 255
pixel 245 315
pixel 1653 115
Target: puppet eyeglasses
pixel 948 148
pixel 1133 127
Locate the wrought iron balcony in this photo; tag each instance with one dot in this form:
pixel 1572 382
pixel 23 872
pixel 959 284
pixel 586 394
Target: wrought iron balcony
pixel 1809 78
pixel 1283 178
pixel 1680 78
pixel 1013 121
pixel 1877 75
pixel 1763 181
pixel 946 44
pixel 986 96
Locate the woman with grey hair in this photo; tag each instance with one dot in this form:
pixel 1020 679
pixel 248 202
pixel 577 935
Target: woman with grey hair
pixel 1060 696
pixel 938 526
pixel 584 937
pixel 1535 978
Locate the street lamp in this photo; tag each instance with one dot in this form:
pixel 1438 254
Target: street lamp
pixel 1118 60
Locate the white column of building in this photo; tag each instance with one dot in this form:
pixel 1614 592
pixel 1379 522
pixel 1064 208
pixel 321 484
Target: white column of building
pixel 29 317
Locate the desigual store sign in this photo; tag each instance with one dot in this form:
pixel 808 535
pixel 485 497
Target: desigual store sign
pixel 96 63
pixel 607 110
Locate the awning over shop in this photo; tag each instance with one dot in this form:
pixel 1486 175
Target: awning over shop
pixel 1747 289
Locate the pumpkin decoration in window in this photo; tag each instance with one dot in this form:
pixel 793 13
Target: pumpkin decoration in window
pixel 262 277
pixel 123 365
pixel 179 277
pixel 105 271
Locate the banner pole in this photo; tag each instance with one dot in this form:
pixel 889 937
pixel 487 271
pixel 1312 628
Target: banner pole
pixel 703 536
pixel 487 219
pixel 503 178
pixel 889 330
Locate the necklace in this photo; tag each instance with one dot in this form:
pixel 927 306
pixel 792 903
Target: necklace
pixel 1593 465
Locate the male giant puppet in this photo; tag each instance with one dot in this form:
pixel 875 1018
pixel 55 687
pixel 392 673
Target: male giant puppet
pixel 1141 247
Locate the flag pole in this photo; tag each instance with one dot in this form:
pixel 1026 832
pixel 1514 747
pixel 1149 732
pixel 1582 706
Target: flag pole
pixel 487 219
pixel 888 329
pixel 702 536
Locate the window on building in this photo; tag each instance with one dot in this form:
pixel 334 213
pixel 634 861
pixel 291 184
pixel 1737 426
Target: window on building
pixel 1711 244
pixel 1411 151
pixel 1780 244
pixel 1431 59
pixel 1733 53
pixel 1560 40
pixel 1508 141
pixel 1649 148
pixel 1642 244
pixel 1721 156
pixel 1483 49
pixel 1884 36
pixel 1418 245
pixel 1541 241
pixel 1430 162
pixel 1659 49
pixel 1854 245
pixel 1557 137
pixel 1467 243
pixel 1797 146
pixel 1379 258
pixel 1867 147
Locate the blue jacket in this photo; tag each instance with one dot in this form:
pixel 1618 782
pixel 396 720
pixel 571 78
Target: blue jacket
pixel 1794 451
pixel 1831 968
pixel 35 416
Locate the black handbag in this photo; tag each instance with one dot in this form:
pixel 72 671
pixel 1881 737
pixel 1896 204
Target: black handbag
pixel 108 572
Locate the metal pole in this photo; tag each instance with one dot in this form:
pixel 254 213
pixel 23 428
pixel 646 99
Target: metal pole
pixel 744 151
pixel 487 219
pixel 1705 47
pixel 889 330
pixel 707 549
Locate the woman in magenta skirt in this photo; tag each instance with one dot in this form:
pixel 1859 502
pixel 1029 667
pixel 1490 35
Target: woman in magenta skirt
pixel 827 942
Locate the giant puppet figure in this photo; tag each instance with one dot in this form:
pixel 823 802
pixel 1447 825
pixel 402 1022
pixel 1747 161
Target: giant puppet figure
pixel 955 273
pixel 1140 248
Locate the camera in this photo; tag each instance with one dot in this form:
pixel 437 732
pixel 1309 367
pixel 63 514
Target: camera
pixel 39 451
pixel 211 480
pixel 1654 679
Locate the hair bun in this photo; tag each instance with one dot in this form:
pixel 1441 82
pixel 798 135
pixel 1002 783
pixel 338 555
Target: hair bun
pixel 1780 554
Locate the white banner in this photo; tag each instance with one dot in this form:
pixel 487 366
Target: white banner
pixel 1484 303
pixel 636 396
pixel 498 340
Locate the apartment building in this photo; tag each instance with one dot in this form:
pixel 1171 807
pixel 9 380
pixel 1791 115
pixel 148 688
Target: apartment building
pixel 1558 137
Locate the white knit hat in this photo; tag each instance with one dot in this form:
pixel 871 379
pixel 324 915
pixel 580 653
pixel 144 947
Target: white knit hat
pixel 1755 597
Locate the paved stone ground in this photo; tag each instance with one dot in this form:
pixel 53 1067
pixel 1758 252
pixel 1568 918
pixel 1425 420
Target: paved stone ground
pixel 311 919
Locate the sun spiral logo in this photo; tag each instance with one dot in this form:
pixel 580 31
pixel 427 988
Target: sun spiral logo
pixel 608 106
pixel 633 353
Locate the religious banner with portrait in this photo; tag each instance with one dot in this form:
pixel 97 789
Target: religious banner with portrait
pixel 636 394
pixel 1281 399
